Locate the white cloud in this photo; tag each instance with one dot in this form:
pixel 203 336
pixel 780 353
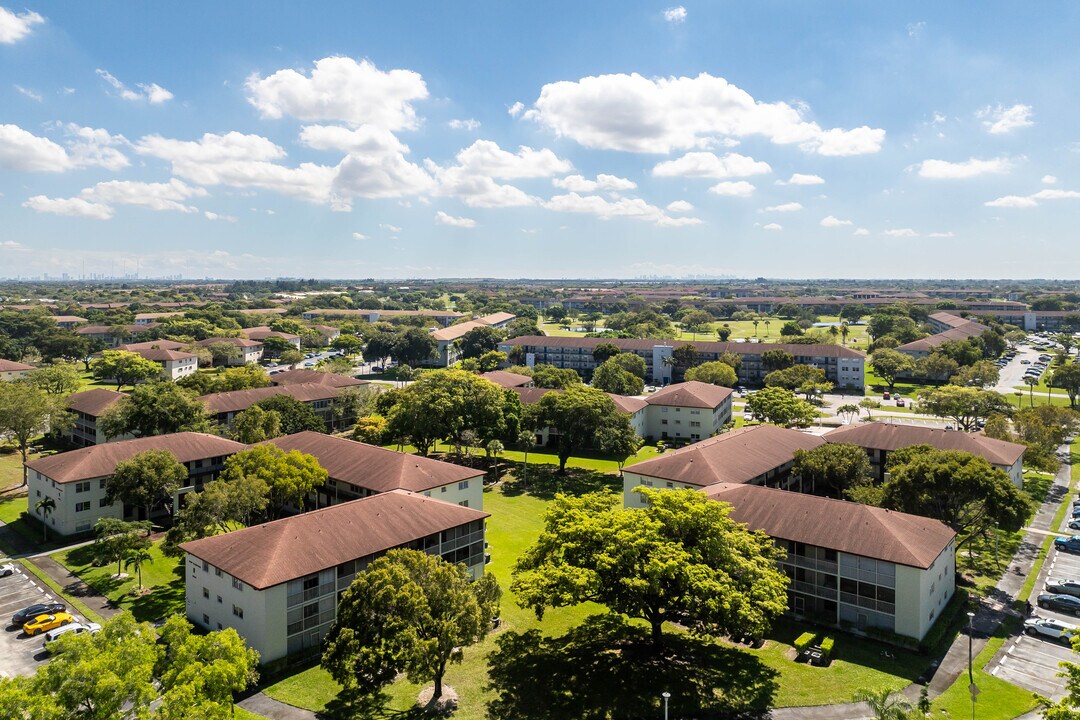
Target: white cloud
pixel 152 92
pixel 392 228
pixel 740 188
pixel 679 206
pixel 945 170
pixel 709 165
pixel 637 114
pixel 772 226
pixel 830 222
pixel 675 14
pixel 95 147
pixel 341 89
pixel 10 245
pixel 215 216
pixel 36 97
pixel 360 236
pixel 154 196
pixel 15 27
pixel 375 167
pixel 1049 180
pixel 861 232
pixel 948 234
pixel 460 222
pixel 485 157
pixel 469 124
pixel 74 207
pixel 1003 120
pixel 22 150
pixel 800 179
pixel 902 232
pixel 581 184
pixel 1030 201
pixel 785 207
pixel 476 190
pixel 915 28
pixel 516 109
pixel 604 209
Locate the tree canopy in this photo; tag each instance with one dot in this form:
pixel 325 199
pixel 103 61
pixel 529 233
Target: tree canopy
pixel 26 412
pixel 714 373
pixel 549 376
pixel 964 405
pixel 124 368
pixel 831 469
pixel 579 413
pixel 889 364
pixel 155 408
pixel 294 415
pixel 290 476
pixel 611 377
pixel 779 406
pixel 680 559
pixel 480 340
pixel 147 480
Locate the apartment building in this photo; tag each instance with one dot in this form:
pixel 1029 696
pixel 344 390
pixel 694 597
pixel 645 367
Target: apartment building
pixel 11 370
pixel 549 436
pixel 248 351
pixel 87 407
pixel 224 406
pixel 279 584
pixel 263 332
pixel 687 411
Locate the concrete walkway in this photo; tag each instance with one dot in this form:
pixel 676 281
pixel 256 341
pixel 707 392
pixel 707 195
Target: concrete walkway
pixel 75 587
pixel 268 707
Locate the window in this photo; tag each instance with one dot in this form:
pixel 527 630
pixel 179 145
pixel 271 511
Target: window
pixel 442 489
pixel 217 571
pixel 205 566
pixel 464 503
pixel 463 485
pixel 103 502
pixel 82 487
pixel 205 619
pixel 82 507
pixel 219 599
pixel 206 593
pixel 238 611
pixel 670 484
pixel 236 583
pixel 101 484
pixel 219 626
pixel 664 421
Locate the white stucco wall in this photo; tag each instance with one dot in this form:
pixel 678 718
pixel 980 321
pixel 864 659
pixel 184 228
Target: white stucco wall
pixel 66 518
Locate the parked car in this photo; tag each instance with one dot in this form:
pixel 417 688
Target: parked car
pixel 1063 587
pixel 7 569
pixel 33 611
pixel 1074 524
pixel 885 395
pixel 1061 603
pixel 1054 629
pixel 1069 544
pixel 900 402
pixel 71 628
pixel 44 623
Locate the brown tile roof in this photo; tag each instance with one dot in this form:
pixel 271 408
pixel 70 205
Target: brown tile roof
pixel 947 318
pixel 275 552
pixel 238 342
pixel 261 333
pixel 735 457
pixel 108 329
pixel 837 524
pixel 893 436
pixel 797 350
pixel 496 318
pixel 531 396
pixel 68 319
pixel 156 315
pixel 374 468
pixel 506 379
pixel 690 394
pixel 151 345
pixel 163 355
pixel 266 311
pixel 12 366
pixel 456 331
pixel 303 375
pixel 238 400
pixel 100 460
pixel 961 332
pixel 94 402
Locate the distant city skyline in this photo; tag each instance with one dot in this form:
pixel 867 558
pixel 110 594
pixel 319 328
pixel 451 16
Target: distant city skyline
pixel 608 140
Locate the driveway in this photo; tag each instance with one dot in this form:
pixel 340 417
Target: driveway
pixel 19 654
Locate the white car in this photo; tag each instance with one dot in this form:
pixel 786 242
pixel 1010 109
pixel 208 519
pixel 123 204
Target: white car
pixel 7 569
pixel 74 628
pixel 1063 632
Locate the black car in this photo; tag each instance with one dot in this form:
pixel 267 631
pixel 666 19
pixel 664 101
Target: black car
pixel 1061 603
pixel 26 614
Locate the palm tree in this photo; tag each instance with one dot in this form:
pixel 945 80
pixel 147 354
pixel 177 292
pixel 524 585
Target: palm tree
pixel 884 703
pixel 844 330
pixel 137 557
pixel 767 324
pixel 44 508
pixel 526 439
pixel 1031 382
pixel 755 322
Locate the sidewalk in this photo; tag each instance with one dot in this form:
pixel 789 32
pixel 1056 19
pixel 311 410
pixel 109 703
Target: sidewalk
pixel 75 587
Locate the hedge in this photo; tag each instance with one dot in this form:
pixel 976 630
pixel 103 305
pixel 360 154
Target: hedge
pixel 826 646
pixel 804 641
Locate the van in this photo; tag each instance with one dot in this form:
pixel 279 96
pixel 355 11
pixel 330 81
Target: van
pixel 76 628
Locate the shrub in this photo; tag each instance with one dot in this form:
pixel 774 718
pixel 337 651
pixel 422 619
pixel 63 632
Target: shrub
pixel 804 641
pixel 826 646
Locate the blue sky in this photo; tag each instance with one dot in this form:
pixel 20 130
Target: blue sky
pixel 619 139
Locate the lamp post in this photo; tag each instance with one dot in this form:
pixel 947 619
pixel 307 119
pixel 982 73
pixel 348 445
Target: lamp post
pixel 971 676
pixel 667 696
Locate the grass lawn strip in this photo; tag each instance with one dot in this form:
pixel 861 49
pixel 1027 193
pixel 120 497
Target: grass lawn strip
pixel 55 587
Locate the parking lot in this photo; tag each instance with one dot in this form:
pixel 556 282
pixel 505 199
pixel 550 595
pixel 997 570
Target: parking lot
pixel 1032 661
pixel 19 654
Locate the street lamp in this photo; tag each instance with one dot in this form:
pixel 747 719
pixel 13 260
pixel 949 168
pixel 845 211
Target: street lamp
pixel 971 676
pixel 667 696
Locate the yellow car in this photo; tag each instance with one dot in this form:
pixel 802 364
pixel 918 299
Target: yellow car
pixel 44 623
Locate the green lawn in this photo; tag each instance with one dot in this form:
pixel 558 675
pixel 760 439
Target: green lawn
pixel 163 576
pixel 11 508
pixel 908 388
pixel 241 714
pixel 11 470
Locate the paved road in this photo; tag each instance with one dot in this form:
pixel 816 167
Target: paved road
pixel 1012 375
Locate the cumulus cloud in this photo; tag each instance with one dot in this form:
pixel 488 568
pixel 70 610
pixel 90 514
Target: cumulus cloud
pixel 1002 120
pixel 800 179
pixel 709 165
pixel 772 226
pixel 861 232
pixel 151 92
pixel 154 196
pixel 638 114
pixel 679 206
pixel 341 89
pixel 605 209
pixel 86 147
pixel 1049 180
pixel 785 207
pixel 830 222
pixel 1030 201
pixel 945 170
pixel 902 233
pixel 375 166
pixel 215 216
pixel 472 179
pixel 35 96
pixel 581 184
pixel 740 188
pixel 14 27
pixel 460 222
pixel 469 124
pixel 675 14
pixel 948 234
pixel 391 228
pixel 360 236
pixel 73 207
pixel 516 109
pixel 10 245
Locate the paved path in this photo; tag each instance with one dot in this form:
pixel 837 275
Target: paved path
pixel 268 707
pixel 75 587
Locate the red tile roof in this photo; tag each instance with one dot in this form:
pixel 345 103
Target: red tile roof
pixel 302 375
pixel 94 402
pixel 275 552
pixel 506 379
pixel 12 366
pixel 238 400
pixel 690 394
pixel 151 345
pixel 640 344
pixel 893 436
pixel 738 456
pixel 839 525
